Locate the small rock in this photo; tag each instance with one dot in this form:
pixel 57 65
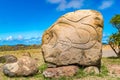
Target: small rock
pixel 25 66
pixel 92 69
pixel 8 59
pixel 60 71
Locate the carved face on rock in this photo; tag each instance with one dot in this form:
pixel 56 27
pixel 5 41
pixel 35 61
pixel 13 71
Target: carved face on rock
pixel 74 39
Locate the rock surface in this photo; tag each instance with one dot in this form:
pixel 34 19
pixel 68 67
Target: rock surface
pixel 25 66
pixel 8 59
pixel 92 69
pixel 61 71
pixel 75 38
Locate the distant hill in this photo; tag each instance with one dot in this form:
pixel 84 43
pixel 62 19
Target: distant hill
pixel 18 47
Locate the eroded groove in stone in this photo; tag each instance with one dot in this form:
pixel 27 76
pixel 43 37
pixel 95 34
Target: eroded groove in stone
pixel 80 43
pixel 77 20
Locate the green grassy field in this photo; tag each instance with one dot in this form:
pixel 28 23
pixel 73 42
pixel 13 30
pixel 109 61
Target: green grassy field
pixel 36 53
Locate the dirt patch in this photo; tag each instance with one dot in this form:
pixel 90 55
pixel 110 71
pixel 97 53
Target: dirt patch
pixel 107 51
pixel 114 70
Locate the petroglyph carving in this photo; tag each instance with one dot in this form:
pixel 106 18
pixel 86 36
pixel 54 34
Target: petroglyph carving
pixel 75 38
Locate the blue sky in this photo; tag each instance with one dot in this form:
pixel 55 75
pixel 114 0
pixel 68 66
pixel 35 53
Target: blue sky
pixel 24 21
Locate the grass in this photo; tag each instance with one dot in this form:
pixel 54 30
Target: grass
pixel 111 60
pixel 36 53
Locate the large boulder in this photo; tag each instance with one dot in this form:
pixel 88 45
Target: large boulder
pixel 25 66
pixel 75 38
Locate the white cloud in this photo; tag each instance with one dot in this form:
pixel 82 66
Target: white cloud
pixel 20 37
pixel 54 1
pixel 64 4
pixel 0 39
pixel 75 4
pixel 9 38
pixel 106 4
pixel 106 34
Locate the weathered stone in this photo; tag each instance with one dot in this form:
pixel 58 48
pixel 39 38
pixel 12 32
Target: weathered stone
pixel 25 66
pixel 75 38
pixel 60 71
pixel 92 69
pixel 8 59
pixel 51 65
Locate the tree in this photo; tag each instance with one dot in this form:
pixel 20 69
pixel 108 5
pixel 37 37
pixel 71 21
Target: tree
pixel 115 21
pixel 114 42
pixel 114 39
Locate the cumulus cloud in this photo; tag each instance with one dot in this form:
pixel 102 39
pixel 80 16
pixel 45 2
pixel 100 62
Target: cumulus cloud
pixel 20 37
pixel 20 40
pixel 9 38
pixel 75 4
pixel 106 34
pixel 106 4
pixel 64 4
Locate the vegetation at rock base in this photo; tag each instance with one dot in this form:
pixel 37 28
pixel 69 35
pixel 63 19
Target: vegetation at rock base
pixel 36 53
